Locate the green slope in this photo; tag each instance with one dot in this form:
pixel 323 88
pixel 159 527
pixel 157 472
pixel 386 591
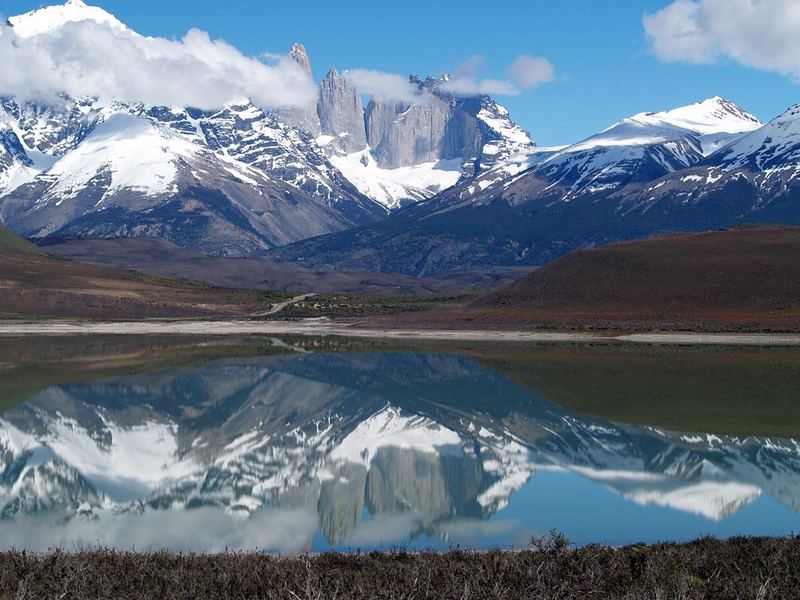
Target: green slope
pixel 11 243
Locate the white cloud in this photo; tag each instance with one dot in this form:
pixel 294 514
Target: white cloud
pixel 525 73
pixel 79 50
pixel 88 58
pixel 529 71
pixel 384 87
pixel 762 34
pixel 470 68
pixel 472 86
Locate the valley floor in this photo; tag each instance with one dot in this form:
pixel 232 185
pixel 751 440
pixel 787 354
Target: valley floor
pixel 324 327
pixel 761 568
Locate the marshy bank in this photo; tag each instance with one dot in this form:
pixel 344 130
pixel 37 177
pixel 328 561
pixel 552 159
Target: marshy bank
pixel 707 568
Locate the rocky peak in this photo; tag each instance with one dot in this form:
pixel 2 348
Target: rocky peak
pixel 299 55
pixel 721 107
pixel 301 118
pixel 712 116
pixel 341 113
pixel 432 83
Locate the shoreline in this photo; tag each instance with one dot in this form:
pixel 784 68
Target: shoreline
pixel 342 329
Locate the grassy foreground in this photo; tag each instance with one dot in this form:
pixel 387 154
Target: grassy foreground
pixel 758 568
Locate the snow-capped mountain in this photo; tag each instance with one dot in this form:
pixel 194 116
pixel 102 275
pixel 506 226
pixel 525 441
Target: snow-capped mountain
pixel 246 134
pixel 236 180
pixel 233 181
pixel 333 436
pixel 773 146
pixel 637 149
pixel 751 178
pixel 44 20
pixel 401 152
pixel 704 166
pixel 318 183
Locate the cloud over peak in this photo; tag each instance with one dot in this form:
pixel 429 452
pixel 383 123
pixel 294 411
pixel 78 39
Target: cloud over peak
pixel 525 73
pixel 383 87
pixel 45 54
pixel 83 51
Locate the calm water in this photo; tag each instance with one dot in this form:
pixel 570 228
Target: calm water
pixel 364 451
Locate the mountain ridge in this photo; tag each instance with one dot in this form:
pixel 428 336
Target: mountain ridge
pixel 431 184
pixel 235 181
pixel 636 179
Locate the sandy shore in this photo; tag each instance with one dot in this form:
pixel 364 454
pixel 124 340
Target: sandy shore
pixel 332 328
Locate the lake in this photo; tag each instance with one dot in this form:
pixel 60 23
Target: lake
pixel 290 450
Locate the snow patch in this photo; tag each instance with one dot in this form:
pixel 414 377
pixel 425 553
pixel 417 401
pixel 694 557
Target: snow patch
pixel 47 19
pixel 135 152
pixel 389 428
pixel 709 499
pixel 394 187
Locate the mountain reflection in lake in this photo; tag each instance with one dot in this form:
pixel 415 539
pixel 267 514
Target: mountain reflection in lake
pixel 363 451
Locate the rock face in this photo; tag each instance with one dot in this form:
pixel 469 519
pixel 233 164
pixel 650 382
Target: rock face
pixel 341 113
pixel 305 119
pixel 440 127
pixel 379 117
pixel 434 128
pixel 420 148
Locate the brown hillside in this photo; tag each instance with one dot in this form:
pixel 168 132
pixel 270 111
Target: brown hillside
pixel 741 276
pixel 36 285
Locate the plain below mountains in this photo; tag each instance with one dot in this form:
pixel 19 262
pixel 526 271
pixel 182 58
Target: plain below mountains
pixel 739 279
pixel 34 284
pixel 161 257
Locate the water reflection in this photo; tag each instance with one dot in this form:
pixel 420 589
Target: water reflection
pixel 363 450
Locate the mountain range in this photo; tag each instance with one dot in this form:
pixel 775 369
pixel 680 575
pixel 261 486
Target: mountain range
pixel 438 184
pixel 237 181
pixel 701 167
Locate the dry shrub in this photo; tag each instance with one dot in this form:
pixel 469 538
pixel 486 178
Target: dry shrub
pixel 757 568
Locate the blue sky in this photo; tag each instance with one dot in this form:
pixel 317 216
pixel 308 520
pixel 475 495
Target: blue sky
pixel 604 67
